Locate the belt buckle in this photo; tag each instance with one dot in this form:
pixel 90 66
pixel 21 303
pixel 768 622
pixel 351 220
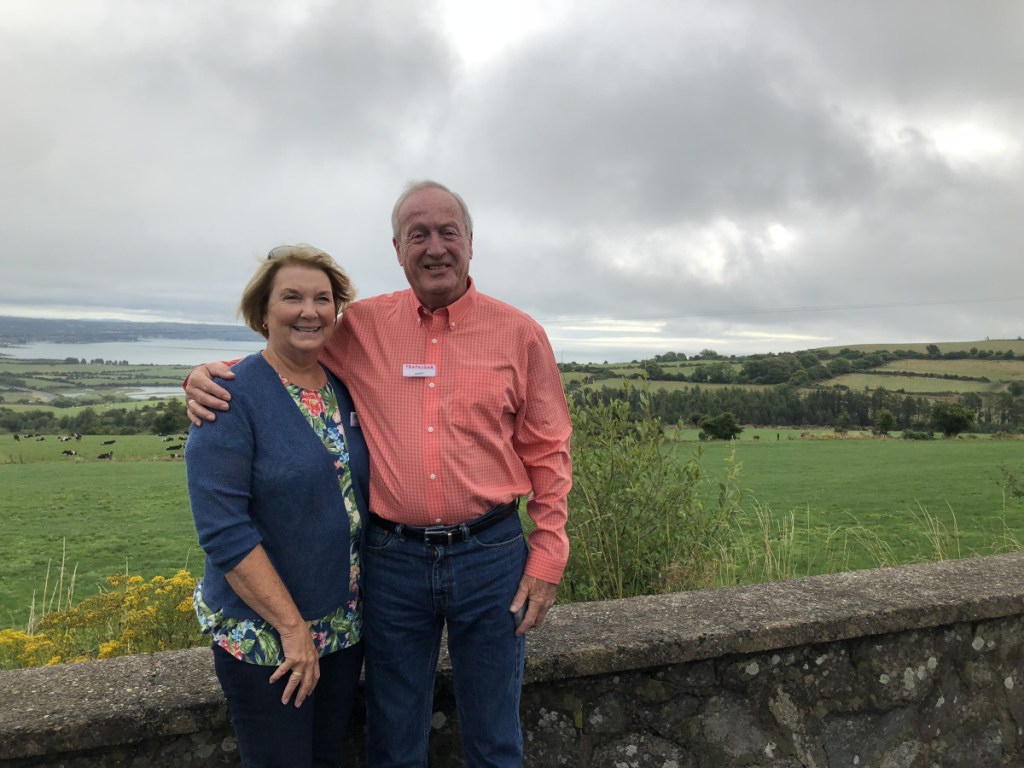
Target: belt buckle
pixel 438 535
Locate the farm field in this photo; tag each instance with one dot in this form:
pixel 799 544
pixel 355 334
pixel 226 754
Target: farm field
pixel 132 512
pixel 879 487
pixel 992 369
pixel 38 382
pixel 129 513
pixel 987 345
pixel 914 385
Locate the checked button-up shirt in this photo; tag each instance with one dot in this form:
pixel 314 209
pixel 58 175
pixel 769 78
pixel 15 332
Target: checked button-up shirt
pixel 462 408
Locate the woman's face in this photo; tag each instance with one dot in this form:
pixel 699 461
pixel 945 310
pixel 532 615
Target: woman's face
pixel 300 310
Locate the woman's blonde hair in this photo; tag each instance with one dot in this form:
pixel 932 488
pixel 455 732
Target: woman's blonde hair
pixel 253 307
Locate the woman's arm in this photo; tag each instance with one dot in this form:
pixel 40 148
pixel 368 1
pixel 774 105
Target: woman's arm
pixel 257 583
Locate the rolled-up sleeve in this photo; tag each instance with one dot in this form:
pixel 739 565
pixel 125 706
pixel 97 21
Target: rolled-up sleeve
pixel 218 463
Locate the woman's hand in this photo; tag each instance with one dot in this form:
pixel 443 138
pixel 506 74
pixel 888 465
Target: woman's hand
pixel 301 664
pixel 257 583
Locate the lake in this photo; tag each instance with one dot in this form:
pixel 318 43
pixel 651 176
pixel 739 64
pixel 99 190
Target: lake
pixel 142 352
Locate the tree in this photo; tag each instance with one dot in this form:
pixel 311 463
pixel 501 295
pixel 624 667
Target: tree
pixel 721 427
pixel 843 422
pixel 951 418
pixel 720 373
pixel 884 421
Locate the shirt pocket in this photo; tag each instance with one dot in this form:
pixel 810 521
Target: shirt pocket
pixel 483 399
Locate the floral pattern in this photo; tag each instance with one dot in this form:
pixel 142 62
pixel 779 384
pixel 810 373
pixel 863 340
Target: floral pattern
pixel 257 642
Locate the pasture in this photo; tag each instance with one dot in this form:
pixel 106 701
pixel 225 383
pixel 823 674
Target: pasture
pixel 131 513
pixel 33 384
pixel 914 385
pixel 986 345
pixel 127 513
pixel 843 493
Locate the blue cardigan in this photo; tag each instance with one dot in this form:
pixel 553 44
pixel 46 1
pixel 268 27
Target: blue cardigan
pixel 260 475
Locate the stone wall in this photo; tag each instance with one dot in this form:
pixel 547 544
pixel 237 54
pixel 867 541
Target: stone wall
pixel 891 668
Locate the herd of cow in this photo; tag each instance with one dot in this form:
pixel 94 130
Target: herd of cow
pixel 108 455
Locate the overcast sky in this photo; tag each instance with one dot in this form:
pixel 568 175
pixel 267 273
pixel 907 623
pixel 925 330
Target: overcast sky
pixel 644 175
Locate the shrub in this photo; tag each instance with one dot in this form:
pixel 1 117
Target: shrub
pixel 721 427
pixel 132 616
pixel 913 434
pixel 642 520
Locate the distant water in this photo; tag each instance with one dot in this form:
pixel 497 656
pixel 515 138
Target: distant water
pixel 142 352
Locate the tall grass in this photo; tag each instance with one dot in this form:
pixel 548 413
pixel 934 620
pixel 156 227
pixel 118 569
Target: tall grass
pixel 129 615
pixel 60 597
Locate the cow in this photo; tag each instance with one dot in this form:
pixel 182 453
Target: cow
pixel 173 448
pixel 109 455
pixel 70 453
pixel 108 442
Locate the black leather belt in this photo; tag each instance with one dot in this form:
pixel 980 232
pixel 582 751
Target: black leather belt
pixel 449 534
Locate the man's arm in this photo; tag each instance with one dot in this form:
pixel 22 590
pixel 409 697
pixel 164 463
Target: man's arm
pixel 203 395
pixel 541 441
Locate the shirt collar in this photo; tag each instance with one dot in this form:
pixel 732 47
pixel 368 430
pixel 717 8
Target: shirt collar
pixel 457 310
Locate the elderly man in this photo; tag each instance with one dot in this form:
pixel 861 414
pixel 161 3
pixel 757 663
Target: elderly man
pixel 463 411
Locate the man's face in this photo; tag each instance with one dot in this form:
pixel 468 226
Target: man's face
pixel 434 247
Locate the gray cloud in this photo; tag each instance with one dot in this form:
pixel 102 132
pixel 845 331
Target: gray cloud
pixel 689 170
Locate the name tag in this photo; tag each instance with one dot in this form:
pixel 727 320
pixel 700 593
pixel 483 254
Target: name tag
pixel 419 370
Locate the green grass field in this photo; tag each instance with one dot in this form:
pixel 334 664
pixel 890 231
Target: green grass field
pixel 43 380
pixel 914 385
pixel 991 345
pixel 884 487
pixel 132 513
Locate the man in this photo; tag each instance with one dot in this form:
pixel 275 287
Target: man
pixel 463 411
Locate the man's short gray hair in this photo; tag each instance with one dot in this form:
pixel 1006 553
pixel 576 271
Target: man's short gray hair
pixel 415 187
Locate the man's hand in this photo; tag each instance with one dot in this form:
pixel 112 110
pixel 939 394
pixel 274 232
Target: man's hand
pixel 538 596
pixel 203 395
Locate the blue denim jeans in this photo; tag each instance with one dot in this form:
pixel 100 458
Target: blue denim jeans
pixel 413 590
pixel 273 735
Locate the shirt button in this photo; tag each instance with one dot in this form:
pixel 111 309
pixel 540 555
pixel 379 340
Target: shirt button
pixel 433 341
pixel 433 476
pixel 431 385
pixel 437 520
pixel 430 429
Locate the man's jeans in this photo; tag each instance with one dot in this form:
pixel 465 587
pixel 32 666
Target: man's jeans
pixel 412 590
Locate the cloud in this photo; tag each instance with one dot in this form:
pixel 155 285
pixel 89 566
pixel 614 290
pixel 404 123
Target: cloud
pixel 750 176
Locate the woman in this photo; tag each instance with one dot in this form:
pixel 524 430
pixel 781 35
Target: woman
pixel 278 487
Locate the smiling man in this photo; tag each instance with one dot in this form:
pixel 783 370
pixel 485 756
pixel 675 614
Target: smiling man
pixel 464 413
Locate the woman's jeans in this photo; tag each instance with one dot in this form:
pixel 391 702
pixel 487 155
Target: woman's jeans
pixel 275 735
pixel 413 590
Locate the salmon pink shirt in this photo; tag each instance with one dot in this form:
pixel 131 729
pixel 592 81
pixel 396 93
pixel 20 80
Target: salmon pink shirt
pixel 462 409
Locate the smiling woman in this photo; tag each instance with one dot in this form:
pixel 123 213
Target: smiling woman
pixel 278 488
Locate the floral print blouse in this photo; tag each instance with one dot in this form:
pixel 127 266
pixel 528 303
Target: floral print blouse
pixel 254 640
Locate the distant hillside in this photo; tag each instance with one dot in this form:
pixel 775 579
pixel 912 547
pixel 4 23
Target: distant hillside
pixel 26 330
pixel 989 345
